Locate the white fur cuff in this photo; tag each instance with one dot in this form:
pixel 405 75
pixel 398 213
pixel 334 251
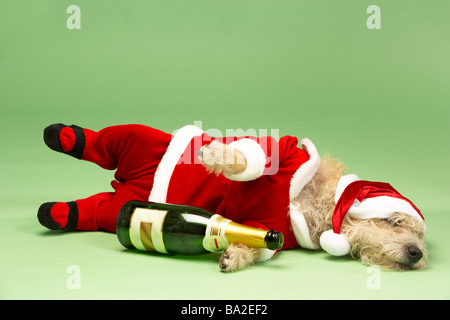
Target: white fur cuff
pixel 306 172
pixel 266 254
pixel 256 160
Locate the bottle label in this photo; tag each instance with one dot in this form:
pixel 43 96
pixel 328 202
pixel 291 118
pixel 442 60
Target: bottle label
pixel 215 239
pixel 146 229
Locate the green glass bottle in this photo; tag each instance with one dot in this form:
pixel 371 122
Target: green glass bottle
pixel 169 228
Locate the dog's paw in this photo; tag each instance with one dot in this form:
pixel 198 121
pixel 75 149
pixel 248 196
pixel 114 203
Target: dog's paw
pixel 212 156
pixel 225 262
pixel 221 158
pixel 237 257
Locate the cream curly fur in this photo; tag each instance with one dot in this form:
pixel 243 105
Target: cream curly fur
pixel 382 242
pixel 316 200
pixel 221 158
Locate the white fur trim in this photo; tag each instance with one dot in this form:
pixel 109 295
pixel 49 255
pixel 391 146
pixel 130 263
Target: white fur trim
pixel 381 207
pixel 335 244
pixel 307 170
pixel 300 229
pixel 265 254
pixel 343 182
pixel 163 173
pixel 378 207
pixel 256 160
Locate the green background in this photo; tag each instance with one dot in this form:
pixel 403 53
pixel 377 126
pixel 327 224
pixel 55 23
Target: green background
pixel 377 99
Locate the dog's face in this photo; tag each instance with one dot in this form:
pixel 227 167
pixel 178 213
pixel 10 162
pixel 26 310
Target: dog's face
pixel 397 243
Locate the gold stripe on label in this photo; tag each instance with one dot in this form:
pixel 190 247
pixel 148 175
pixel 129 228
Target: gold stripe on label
pixel 146 229
pixel 146 238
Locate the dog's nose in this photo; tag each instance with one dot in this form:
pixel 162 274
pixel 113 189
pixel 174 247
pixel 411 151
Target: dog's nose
pixel 414 254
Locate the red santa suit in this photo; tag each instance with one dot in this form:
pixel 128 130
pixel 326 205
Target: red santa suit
pixel 260 196
pixel 156 166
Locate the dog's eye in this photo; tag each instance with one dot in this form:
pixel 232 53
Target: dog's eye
pixel 394 220
pixel 394 223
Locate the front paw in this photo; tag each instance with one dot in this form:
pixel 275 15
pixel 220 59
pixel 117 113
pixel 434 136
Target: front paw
pixel 236 257
pixel 221 158
pixel 211 155
pixel 225 262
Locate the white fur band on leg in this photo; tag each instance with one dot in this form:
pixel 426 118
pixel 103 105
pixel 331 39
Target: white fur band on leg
pixel 169 161
pixel 256 160
pixel 265 254
pixel 306 171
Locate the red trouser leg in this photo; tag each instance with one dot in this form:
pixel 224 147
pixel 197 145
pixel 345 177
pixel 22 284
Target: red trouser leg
pixel 90 208
pixel 99 212
pixel 135 150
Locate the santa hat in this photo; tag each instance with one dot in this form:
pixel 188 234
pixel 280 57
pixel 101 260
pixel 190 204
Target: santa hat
pixel 362 199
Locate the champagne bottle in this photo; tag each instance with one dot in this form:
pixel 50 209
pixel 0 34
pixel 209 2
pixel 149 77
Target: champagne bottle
pixel 168 228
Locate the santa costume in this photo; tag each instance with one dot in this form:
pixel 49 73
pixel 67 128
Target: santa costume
pixel 156 166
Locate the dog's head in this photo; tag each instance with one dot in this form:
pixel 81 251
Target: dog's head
pixel 374 222
pixel 395 243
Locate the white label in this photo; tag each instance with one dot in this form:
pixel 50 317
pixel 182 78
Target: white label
pixel 146 229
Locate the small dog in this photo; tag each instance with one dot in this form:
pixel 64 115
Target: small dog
pixel 259 182
pixel 395 243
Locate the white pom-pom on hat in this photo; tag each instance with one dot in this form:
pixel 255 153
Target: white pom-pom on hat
pixel 334 243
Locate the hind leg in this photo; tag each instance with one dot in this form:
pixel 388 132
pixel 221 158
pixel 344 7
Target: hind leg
pixel 79 214
pixel 81 143
pixel 135 150
pixel 74 215
pixel 98 212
